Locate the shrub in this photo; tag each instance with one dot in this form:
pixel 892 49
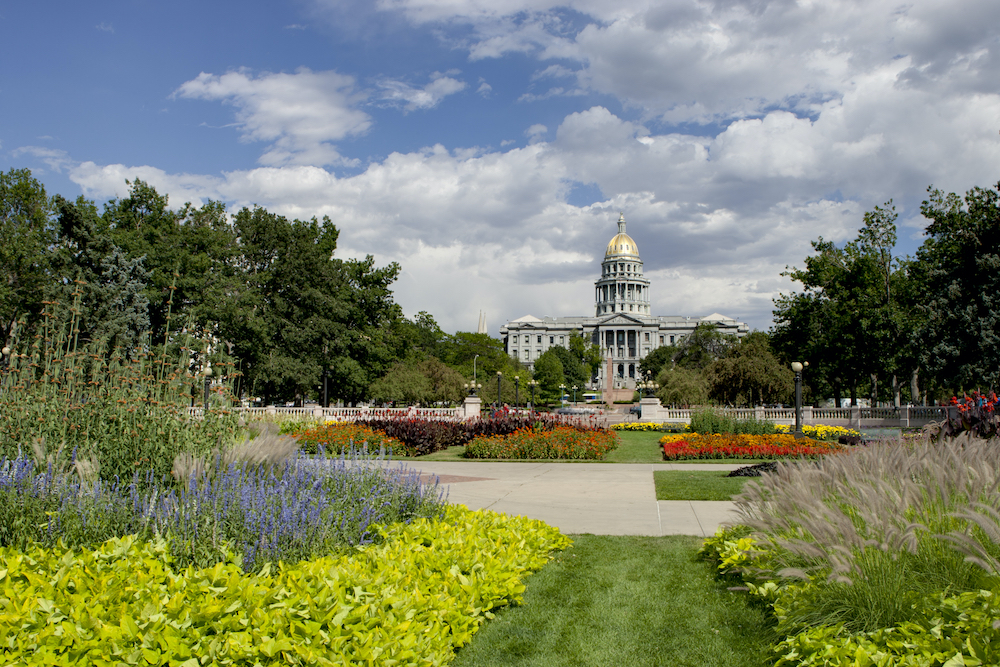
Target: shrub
pixel 702 446
pixel 562 442
pixel 715 421
pixel 415 598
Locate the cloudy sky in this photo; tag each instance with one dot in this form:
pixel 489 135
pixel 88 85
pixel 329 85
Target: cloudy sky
pixel 488 145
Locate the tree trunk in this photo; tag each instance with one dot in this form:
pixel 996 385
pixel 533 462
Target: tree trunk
pixel 915 389
pixel 895 391
pixel 836 392
pixel 874 390
pixel 854 395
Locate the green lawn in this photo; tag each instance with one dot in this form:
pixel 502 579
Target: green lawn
pixel 696 485
pixel 637 447
pixel 627 602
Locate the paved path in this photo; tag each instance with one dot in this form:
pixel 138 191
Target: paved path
pixel 598 498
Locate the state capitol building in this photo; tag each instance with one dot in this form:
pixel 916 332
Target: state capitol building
pixel 622 326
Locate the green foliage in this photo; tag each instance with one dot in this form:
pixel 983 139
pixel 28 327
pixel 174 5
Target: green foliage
pixel 682 387
pixel 417 596
pixel 653 363
pixel 959 271
pixel 750 374
pixel 121 415
pixel 426 381
pixel 27 232
pixel 716 421
pixel 701 347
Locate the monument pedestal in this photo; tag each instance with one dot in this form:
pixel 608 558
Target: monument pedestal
pixel 649 409
pixel 473 406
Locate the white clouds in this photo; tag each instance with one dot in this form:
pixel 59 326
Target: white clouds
pixel 105 27
pixel 402 94
pixel 299 114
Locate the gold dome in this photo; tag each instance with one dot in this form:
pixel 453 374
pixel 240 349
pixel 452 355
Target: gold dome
pixel 622 244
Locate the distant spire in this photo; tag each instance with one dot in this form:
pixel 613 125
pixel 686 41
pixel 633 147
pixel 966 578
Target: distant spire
pixel 482 323
pixel 621 222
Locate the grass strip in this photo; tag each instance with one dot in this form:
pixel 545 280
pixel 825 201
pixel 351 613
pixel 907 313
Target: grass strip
pixel 696 485
pixel 629 602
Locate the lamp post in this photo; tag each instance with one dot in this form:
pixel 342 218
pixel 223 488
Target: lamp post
pixel 532 383
pixel 574 394
pixel 517 383
pixel 474 368
pixel 471 387
pixel 326 398
pixel 562 392
pixel 797 367
pixel 499 377
pixel 208 383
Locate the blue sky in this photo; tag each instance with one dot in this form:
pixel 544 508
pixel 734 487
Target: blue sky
pixel 488 145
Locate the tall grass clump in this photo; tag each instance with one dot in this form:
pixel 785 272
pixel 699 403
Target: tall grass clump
pixel 297 509
pixel 709 420
pixel 865 539
pixel 121 411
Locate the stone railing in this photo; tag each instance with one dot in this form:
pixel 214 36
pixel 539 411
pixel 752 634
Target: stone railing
pixel 906 415
pixel 467 410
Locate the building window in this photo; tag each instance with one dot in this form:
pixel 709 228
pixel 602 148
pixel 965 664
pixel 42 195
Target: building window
pixel 539 339
pixel 515 339
pixel 561 339
pixel 538 353
pixel 647 336
pixel 631 370
pixel 661 340
pixel 552 339
pixel 515 352
pixel 671 340
pixel 527 354
pixel 630 308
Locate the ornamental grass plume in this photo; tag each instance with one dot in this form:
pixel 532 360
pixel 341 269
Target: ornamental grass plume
pixel 878 529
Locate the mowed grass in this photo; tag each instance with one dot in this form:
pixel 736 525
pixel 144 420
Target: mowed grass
pixel 696 485
pixel 637 447
pixel 627 602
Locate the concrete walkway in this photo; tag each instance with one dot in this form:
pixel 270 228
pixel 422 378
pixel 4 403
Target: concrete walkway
pixel 598 498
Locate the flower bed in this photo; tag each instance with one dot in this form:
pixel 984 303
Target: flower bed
pixel 715 446
pixel 339 437
pixel 561 442
pixel 670 427
pixel 413 599
pixel 820 431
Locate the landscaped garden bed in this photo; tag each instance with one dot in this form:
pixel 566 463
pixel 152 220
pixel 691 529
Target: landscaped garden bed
pixel 887 555
pixel 413 598
pixel 728 446
pixel 561 442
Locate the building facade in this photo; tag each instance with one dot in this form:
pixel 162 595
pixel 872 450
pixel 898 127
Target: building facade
pixel 622 325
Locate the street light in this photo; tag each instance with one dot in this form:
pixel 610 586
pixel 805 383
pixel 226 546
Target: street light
pixel 326 398
pixel 797 368
pixel 499 377
pixel 562 393
pixel 574 394
pixel 474 368
pixel 517 383
pixel 471 387
pixel 532 383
